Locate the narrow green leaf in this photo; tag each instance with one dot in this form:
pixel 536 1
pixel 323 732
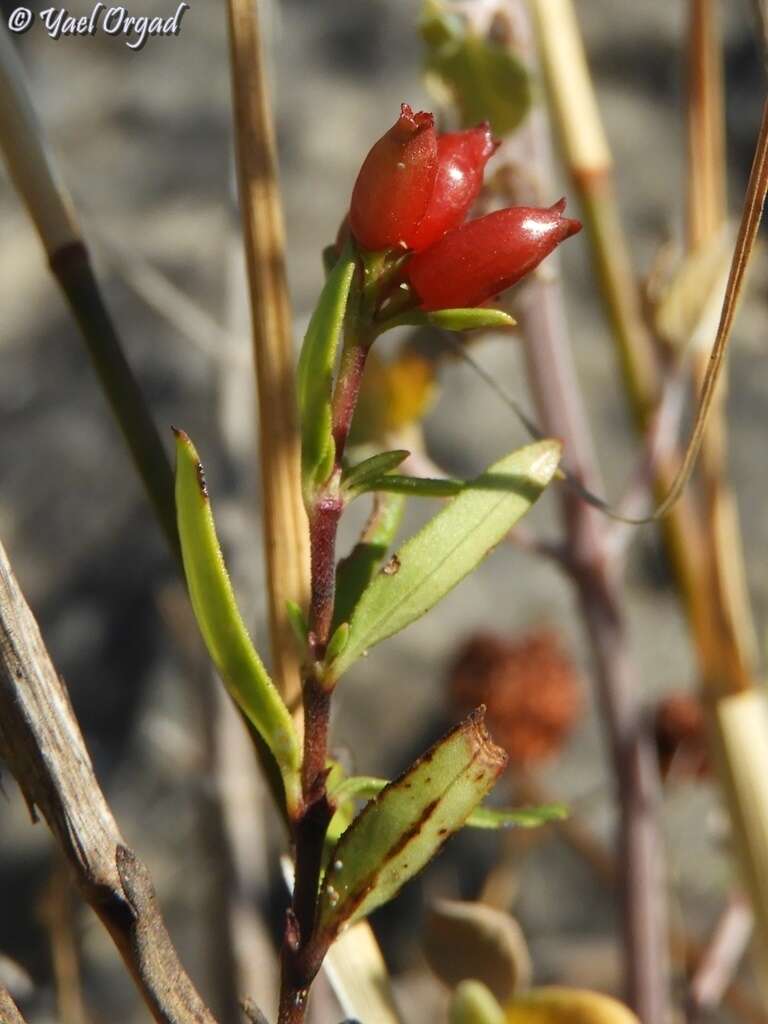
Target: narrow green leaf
pixel 450 319
pixel 298 623
pixel 433 561
pixel 397 833
pixel 519 817
pixel 358 787
pixel 367 786
pixel 221 625
pixel 470 319
pixel 356 571
pixel 315 373
pixel 417 486
pixel 355 479
pixel 338 642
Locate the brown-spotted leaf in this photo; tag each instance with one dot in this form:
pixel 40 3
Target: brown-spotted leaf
pixel 400 830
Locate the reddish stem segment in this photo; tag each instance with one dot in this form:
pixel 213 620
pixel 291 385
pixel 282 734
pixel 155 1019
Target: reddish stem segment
pixel 347 392
pixel 301 956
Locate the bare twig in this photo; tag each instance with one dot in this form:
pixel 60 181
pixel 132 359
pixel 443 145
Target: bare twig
pixel 41 742
pixel 48 203
pixel 659 446
pixel 556 390
pixel 721 957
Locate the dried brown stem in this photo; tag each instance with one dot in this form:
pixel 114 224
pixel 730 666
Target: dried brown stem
pixel 9 1011
pixel 285 524
pixel 72 268
pixel 41 742
pixel 61 920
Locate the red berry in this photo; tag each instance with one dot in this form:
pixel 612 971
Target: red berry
pixel 395 183
pixel 478 260
pixel 462 157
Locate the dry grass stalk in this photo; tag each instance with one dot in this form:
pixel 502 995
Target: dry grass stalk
pixel 580 128
pixel 739 719
pixel 710 585
pixel 587 154
pixel 61 919
pixel 32 170
pixel 285 525
pixel 706 197
pixel 30 162
pixel 42 745
pixel 597 582
pixel 707 214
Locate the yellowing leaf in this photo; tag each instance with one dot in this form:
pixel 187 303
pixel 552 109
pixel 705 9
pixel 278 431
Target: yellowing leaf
pixel 474 1003
pixel 559 1005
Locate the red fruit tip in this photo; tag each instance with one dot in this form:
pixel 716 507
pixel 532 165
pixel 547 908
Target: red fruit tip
pixel 567 226
pixel 413 122
pixel 490 144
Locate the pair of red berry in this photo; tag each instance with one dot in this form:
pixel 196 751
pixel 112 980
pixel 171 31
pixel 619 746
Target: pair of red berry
pixel 414 191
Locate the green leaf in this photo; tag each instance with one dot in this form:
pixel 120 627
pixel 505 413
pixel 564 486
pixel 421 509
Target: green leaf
pixel 356 478
pixel 519 817
pixel 338 642
pixel 450 319
pixel 355 572
pixel 474 1003
pixel 368 786
pixel 433 561
pixel 404 827
pixel 221 624
pixel 417 486
pixel 470 319
pixel 483 78
pixel 315 373
pixel 357 787
pixel 299 625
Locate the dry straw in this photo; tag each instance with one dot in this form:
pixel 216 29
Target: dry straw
pixel 703 538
